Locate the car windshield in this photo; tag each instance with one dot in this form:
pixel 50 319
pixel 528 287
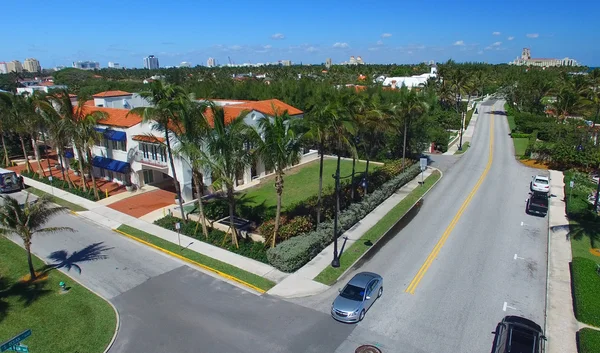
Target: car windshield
pixel 541 181
pixel 353 293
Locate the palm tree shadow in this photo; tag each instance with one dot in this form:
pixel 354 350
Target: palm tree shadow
pixel 26 291
pixel 582 229
pixel 62 259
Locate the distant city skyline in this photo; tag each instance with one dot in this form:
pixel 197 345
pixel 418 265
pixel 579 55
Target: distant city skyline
pixel 493 32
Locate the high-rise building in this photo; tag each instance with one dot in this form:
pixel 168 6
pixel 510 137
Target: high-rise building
pixel 328 63
pixel 352 60
pixel 3 68
pixel 114 65
pixel 359 60
pixel 14 66
pixel 185 64
pixel 210 62
pixel 86 65
pixel 151 62
pixel 32 65
pixel 286 62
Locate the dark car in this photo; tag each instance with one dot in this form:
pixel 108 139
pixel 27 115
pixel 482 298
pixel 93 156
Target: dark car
pixel 516 334
pixel 537 203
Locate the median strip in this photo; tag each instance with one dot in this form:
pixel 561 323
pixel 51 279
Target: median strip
pixel 350 256
pixel 222 269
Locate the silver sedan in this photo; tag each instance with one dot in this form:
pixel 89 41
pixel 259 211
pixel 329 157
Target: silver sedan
pixel 356 297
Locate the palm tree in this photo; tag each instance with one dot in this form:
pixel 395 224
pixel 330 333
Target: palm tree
pixel 228 155
pixel 22 112
pixel 279 145
pixel 358 106
pixel 410 105
pixel 58 129
pixel 29 220
pixel 372 127
pixel 167 101
pixel 5 122
pixel 85 136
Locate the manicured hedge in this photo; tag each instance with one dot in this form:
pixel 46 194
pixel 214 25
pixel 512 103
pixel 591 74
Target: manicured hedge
pixel 247 247
pixel 517 135
pixel 61 184
pixel 293 253
pixel 589 341
pixel 586 286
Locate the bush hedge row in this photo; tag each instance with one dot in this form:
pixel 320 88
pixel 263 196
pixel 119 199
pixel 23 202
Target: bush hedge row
pixel 586 285
pixel 293 253
pixel 61 184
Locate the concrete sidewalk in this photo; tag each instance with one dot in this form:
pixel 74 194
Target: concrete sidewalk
pixel 301 283
pixel 467 134
pixel 561 325
pixel 107 217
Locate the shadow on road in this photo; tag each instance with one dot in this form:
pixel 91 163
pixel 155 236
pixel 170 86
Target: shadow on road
pixel 408 217
pixel 62 258
pixel 497 112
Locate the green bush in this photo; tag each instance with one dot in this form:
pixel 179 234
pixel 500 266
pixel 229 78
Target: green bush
pixel 288 227
pixel 588 341
pixel 516 135
pixel 293 253
pixel 216 209
pixel 586 286
pixel 247 247
pixel 61 184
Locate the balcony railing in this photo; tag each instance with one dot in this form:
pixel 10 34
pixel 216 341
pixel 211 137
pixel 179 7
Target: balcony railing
pixel 150 161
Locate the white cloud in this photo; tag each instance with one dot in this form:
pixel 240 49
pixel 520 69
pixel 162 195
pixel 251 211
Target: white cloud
pixel 373 49
pixel 235 47
pixel 488 48
pixel 386 35
pixel 497 44
pixel 340 45
pixel 510 38
pixel 278 36
pixel 311 49
pixel 459 42
pixel 532 35
pixel 480 52
pixel 380 42
pixel 268 46
pixel 496 33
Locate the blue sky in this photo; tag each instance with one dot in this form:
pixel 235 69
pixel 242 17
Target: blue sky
pixel 60 32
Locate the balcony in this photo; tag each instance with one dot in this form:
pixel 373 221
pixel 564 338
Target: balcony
pixel 157 163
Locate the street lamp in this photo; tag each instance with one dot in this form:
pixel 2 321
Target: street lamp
pixel 458 102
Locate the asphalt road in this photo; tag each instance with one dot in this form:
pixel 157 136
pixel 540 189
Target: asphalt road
pixel 492 264
pixel 166 306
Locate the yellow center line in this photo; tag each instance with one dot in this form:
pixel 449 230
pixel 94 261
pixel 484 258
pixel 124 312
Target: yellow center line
pixel 436 250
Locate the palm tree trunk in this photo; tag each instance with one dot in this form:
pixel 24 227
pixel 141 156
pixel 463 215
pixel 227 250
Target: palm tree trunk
pixel 30 261
pixel 46 153
pixel 320 183
pixel 92 176
pixel 6 159
pixel 62 167
pixel 82 169
pixel 199 193
pixel 404 143
pixel 279 190
pixel 352 179
pixel 27 165
pixel 175 181
pixel 231 198
pixel 36 153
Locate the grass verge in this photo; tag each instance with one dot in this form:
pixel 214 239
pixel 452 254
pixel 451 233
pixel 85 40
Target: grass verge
pixel 230 270
pixel 330 275
pixel 521 144
pixel 586 286
pixel 468 117
pixel 78 321
pixel 465 147
pixel 56 200
pixel 589 341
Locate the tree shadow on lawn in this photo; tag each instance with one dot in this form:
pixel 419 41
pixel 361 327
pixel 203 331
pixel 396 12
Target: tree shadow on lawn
pixel 27 293
pixel 62 258
pixel 247 207
pixel 581 229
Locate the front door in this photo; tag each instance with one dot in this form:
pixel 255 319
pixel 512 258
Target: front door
pixel 148 176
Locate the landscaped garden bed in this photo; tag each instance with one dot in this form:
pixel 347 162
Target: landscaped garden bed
pixel 63 185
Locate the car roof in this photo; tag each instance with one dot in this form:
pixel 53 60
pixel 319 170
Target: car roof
pixel 541 177
pixel 362 279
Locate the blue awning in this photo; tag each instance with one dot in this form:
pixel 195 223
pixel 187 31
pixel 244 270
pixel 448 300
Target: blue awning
pixel 113 134
pixel 111 164
pixel 69 154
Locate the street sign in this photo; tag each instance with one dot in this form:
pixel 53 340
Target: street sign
pixel 423 162
pixel 20 348
pixel 15 340
pixel 178 226
pixel 571 184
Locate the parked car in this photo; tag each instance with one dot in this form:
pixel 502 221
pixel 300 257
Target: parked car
pixel 537 203
pixel 540 183
pixel 356 297
pixel 516 334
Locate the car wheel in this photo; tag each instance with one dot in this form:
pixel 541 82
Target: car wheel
pixel 362 315
pixel 380 292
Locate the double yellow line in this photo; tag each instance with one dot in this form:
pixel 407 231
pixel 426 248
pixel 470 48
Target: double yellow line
pixel 436 250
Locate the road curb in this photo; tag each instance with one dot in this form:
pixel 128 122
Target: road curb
pixel 183 258
pixel 378 240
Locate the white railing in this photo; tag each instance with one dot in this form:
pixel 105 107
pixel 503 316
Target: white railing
pixel 148 160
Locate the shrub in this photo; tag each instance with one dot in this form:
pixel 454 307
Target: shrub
pixel 588 340
pixel 288 227
pixel 293 253
pixel 586 285
pixel 216 209
pixel 247 247
pixel 517 135
pixel 61 184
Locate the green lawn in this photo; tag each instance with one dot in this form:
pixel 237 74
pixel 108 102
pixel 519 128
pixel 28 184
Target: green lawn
pixel 226 268
pixel 511 122
pixel 78 321
pixel 330 275
pixel 521 144
pixel 586 285
pixel 301 183
pixel 56 200
pixel 589 341
pixel 465 147
pixel 468 117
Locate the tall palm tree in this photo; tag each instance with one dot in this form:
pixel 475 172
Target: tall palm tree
pixel 358 106
pixel 28 221
pixel 58 129
pixel 228 155
pixel 372 127
pixel 85 136
pixel 279 140
pixel 167 101
pixel 409 105
pixel 5 122
pixel 21 111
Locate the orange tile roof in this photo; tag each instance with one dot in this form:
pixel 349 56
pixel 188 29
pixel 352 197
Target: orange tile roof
pixel 46 83
pixel 89 103
pixel 270 107
pixel 111 94
pixel 115 117
pixel 147 138
pixel 231 112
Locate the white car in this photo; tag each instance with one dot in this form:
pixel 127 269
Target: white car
pixel 540 183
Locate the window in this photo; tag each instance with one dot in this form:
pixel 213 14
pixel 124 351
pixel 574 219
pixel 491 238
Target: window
pixel 118 145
